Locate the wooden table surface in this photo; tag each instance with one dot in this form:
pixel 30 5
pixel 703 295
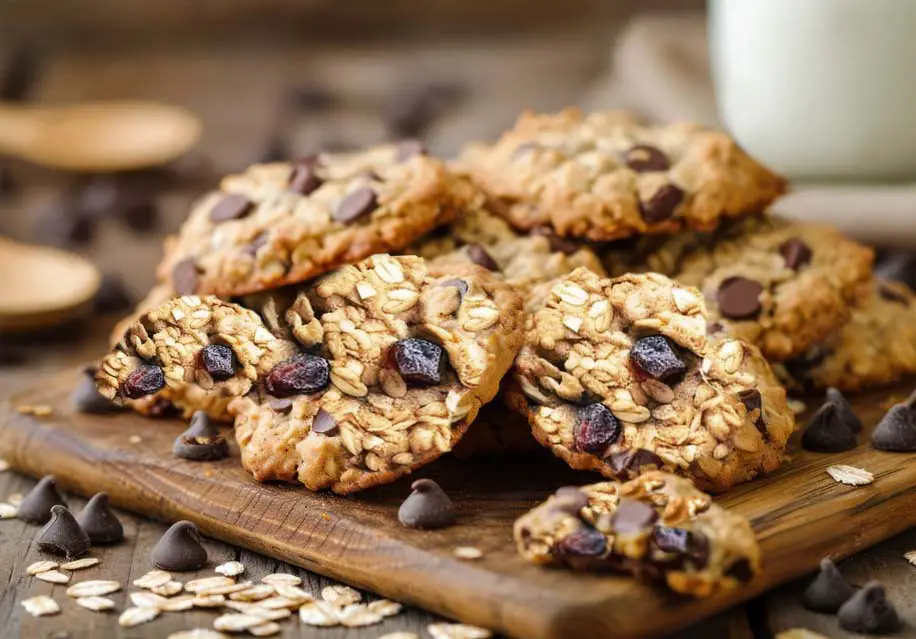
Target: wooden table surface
pixel 237 89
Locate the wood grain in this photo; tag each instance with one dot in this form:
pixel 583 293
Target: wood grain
pixel 799 513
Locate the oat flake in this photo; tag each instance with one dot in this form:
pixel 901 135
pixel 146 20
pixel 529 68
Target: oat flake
pixel 197 633
pixel 41 566
pixel 40 606
pixel 177 604
pixel 4 465
pixel 850 475
pixel 7 511
pixel 230 569
pixel 400 635
pixel 80 564
pixel 318 613
pixel 135 616
pixel 209 601
pixel 265 629
pixel 236 622
pixel 97 604
pixel 467 552
pixel 282 578
pixel 168 589
pixel 153 578
pixel 143 599
pixel 457 631
pixel 93 588
pixel 340 595
pixel 255 593
pixel 54 577
pixel 208 583
pixel 385 607
pixel 910 556
pixel 357 616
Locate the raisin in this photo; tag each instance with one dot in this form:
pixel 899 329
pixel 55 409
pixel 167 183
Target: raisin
pixel 145 380
pixel 657 357
pixel 303 373
pixel 586 542
pixel 596 429
pixel 219 361
pixel 418 361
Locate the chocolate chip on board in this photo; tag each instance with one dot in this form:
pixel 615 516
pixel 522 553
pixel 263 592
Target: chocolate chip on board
pixel 827 432
pixel 427 507
pixel 99 521
pixel 36 506
pixel 87 399
pixel 844 408
pixel 897 429
pixel 202 441
pixel 62 535
pixel 739 298
pixel 869 612
pixel 828 591
pixel 180 549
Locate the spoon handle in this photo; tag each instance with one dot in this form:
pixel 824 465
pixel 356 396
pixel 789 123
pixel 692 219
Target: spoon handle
pixel 17 129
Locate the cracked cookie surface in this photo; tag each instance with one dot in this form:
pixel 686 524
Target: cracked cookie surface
pixel 657 527
pixel 604 175
pixel 618 375
pixel 282 223
pixel 347 382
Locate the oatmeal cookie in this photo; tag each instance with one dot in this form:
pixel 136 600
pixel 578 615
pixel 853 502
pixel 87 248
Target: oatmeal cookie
pixel 605 175
pixel 347 382
pixel 657 527
pixel 618 375
pixel 277 224
pixel 780 285
pixel 876 346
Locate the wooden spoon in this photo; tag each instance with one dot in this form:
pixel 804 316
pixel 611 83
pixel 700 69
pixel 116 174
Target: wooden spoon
pixel 42 287
pixel 98 137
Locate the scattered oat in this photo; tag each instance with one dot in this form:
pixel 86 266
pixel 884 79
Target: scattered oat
pixel 94 588
pixel 318 613
pixel 227 589
pixel 41 566
pixel 208 583
pixel 253 609
pixel 467 552
pixel 230 569
pixel 910 556
pixel 40 606
pixel 95 603
pixel 177 604
pixel 236 622
pixel 15 499
pixel 135 439
pixel 197 633
pixel 400 635
pixel 168 589
pixel 294 593
pixel 796 406
pixel 265 629
pixel 457 631
pixel 209 601
pixel 358 615
pixel 135 616
pixel 80 564
pixel 255 593
pixel 53 576
pixel 340 595
pixel 850 475
pixel 282 578
pixel 153 578
pixel 385 607
pixel 4 465
pixel 143 599
pixel 280 602
pixel 7 511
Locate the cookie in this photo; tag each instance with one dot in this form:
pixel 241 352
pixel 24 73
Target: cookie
pixel 347 382
pixel 619 375
pixel 277 224
pixel 876 346
pixel 657 527
pixel 780 285
pixel 605 176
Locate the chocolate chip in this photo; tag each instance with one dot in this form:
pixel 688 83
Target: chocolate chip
pixel 219 361
pixel 634 460
pixel 179 549
pixel 657 357
pixel 303 178
pixel 827 432
pixel 280 405
pixel 796 253
pixel 427 507
pixel 202 441
pixel 62 535
pixel 897 430
pixel 869 612
pixel 739 298
pixel 642 158
pixel 557 243
pixel 359 203
pixel 480 257
pixel 324 423
pixel 112 295
pixel 570 499
pixel 596 428
pixel 685 543
pixel 633 516
pixel 752 401
pixel 36 506
pixel 844 409
pixel 184 276
pixel 301 374
pixel 461 285
pixel 419 362
pixel 828 591
pixel 145 380
pixel 409 148
pixel 100 522
pixel 87 399
pixel 252 247
pixel 231 206
pixel 585 542
pixel 662 204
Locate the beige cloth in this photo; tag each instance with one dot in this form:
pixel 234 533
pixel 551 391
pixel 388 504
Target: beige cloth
pixel 660 68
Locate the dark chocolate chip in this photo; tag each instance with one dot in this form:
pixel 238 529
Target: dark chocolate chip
pixel 302 373
pixel 357 204
pixel 36 506
pixel 87 399
pixel 633 516
pixel 585 542
pixel 100 522
pixel 219 361
pixel 324 423
pixel 202 441
pixel 634 460
pixel 662 205
pixel 643 158
pixel 869 612
pixel 409 148
pixel 827 432
pixel 480 257
pixel 570 499
pixel 419 362
pixel 303 178
pixel 844 409
pixel 828 591
pixel 897 430
pixel 753 401
pixel 557 243
pixel 796 253
pixel 461 285
pixel 62 535
pixel 427 507
pixel 739 298
pixel 184 276
pixel 657 357
pixel 685 543
pixel 112 295
pixel 179 549
pixel 232 206
pixel 252 247
pixel 145 380
pixel 596 428
pixel 280 405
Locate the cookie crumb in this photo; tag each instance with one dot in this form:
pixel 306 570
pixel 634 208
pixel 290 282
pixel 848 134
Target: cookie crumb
pixel 457 631
pixel 467 552
pixel 230 569
pixel 40 606
pixel 910 556
pixel 850 475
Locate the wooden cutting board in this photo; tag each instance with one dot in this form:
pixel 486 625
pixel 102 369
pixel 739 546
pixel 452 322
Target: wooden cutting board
pixel 800 514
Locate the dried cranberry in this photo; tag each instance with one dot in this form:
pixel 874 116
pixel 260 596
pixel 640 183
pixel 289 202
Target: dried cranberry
pixel 418 361
pixel 681 542
pixel 586 542
pixel 303 373
pixel 596 429
pixel 657 357
pixel 219 361
pixel 145 380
